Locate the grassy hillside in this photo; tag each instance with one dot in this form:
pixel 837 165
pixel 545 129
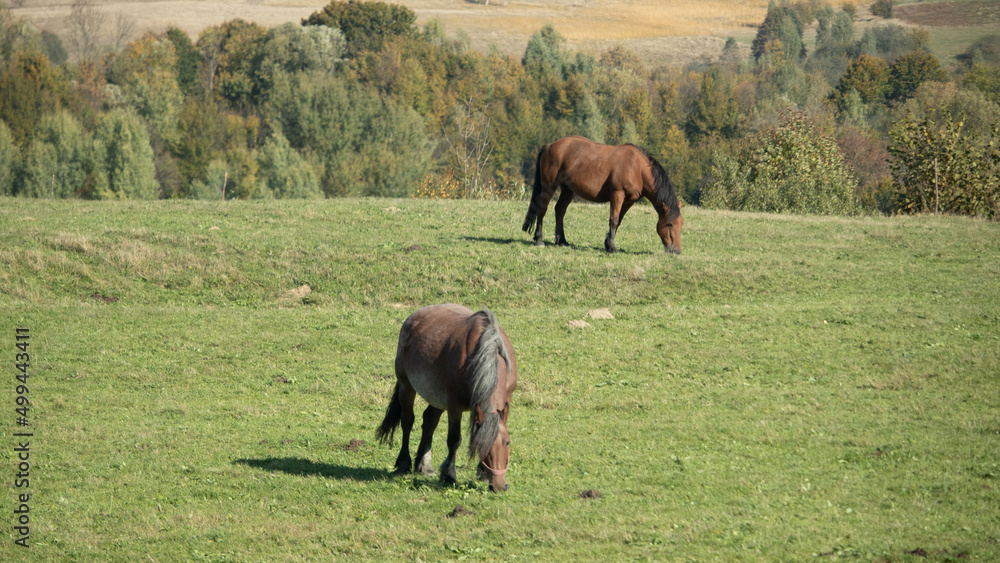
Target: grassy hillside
pixel 788 387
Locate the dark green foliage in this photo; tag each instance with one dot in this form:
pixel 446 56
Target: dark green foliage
pixel 365 25
pixel 124 166
pixel 781 23
pixel 936 167
pixel 56 160
pixel 867 76
pixel 886 42
pixel 982 61
pixel 9 155
pixel 284 172
pixel 53 48
pixel 910 70
pixel 882 8
pixel 29 89
pixel 715 112
pixel 544 56
pixel 231 55
pixel 986 78
pixel 792 168
pixel 187 60
pixel 365 144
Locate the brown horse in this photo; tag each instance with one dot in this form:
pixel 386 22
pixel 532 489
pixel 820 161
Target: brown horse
pixel 620 174
pixel 457 361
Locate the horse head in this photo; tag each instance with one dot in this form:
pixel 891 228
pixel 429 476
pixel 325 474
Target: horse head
pixel 493 461
pixel 669 227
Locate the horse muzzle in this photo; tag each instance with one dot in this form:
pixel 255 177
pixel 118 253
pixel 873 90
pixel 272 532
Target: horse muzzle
pixel 672 249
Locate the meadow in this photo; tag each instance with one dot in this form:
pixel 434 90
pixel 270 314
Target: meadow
pixel 205 380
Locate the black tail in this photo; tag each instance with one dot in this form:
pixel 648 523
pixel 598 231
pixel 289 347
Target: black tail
pixel 393 415
pixel 536 193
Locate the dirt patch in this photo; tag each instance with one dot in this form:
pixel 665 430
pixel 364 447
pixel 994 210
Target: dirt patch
pixel 104 298
pixel 354 445
pixel 577 324
pixel 950 14
pixel 600 314
pixel 590 494
pixel 299 292
pixel 460 511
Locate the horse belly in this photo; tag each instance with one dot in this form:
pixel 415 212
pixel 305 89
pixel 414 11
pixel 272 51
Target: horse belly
pixel 427 382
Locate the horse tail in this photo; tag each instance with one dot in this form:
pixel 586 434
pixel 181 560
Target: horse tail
pixel 393 416
pixel 536 195
pixel 481 371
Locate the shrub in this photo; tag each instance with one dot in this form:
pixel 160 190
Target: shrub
pixel 882 8
pixel 936 167
pixel 910 70
pixel 789 169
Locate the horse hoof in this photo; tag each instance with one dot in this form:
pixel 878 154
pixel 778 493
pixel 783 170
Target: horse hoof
pixel 539 244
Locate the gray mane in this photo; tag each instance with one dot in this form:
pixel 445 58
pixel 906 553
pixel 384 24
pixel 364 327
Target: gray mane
pixel 481 371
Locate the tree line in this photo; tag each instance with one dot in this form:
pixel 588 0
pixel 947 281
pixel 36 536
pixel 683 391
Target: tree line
pixel 359 100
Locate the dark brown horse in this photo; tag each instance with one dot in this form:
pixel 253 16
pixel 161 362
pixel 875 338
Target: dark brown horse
pixel 620 174
pixel 457 361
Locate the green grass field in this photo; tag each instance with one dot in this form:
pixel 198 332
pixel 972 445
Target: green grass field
pixel 790 388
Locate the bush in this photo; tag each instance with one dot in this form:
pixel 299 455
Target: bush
pixel 789 169
pixel 936 167
pixel 882 8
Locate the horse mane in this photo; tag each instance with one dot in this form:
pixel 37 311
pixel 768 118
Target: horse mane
pixel 664 192
pixel 481 370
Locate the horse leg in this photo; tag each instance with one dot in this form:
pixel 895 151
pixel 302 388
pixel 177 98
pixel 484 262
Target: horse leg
pixel 406 397
pixel 431 417
pixel 544 197
pixel 617 200
pixel 619 207
pixel 565 198
pixel 448 475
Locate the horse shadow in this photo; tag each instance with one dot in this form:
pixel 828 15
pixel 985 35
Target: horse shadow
pixel 583 247
pixel 497 240
pixel 300 466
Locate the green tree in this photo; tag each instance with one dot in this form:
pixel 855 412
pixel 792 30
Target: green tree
pixel 792 168
pixel 126 158
pixel 544 57
pixel 715 110
pixel 882 8
pixel 56 161
pixel 231 56
pixel 365 25
pixel 986 78
pixel 146 73
pixel 29 89
pixel 9 156
pixel 290 48
pixel 938 168
pixel 866 75
pixel 781 23
pixel 366 145
pixel 187 61
pixel 910 70
pixel 284 172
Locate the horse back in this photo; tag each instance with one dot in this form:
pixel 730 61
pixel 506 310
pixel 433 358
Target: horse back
pixel 434 344
pixel 594 170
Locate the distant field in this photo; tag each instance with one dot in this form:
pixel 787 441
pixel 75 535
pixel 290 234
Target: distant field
pixel 206 378
pixel 674 32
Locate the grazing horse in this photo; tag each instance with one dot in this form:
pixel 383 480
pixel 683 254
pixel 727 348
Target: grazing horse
pixel 619 174
pixel 457 361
